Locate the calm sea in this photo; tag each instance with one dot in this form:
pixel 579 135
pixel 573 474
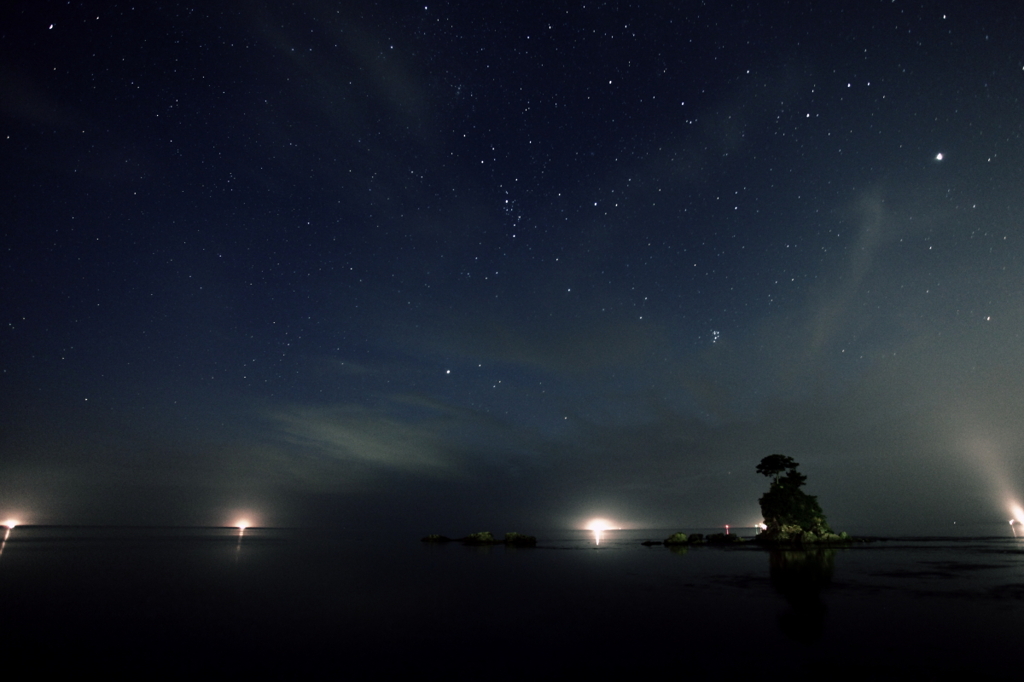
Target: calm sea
pixel 186 600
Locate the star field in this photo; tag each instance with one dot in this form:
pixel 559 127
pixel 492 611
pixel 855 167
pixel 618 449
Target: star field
pixel 517 265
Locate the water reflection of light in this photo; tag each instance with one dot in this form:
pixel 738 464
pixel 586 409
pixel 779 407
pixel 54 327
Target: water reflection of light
pixel 241 525
pixel 10 523
pixel 599 526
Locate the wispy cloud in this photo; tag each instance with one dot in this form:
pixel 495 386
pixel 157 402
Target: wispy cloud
pixel 368 436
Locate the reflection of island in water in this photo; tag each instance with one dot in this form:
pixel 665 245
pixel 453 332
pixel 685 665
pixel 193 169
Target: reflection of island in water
pixel 800 576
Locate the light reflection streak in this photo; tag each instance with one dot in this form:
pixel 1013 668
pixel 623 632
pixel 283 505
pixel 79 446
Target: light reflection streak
pixel 598 527
pixel 242 525
pixel 10 523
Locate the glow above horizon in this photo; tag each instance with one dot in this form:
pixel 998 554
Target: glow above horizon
pixel 599 526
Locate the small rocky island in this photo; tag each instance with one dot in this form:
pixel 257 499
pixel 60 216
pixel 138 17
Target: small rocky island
pixel 791 516
pixel 682 540
pixel 512 539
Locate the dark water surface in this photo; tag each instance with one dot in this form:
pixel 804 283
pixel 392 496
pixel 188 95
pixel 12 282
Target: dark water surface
pixel 206 600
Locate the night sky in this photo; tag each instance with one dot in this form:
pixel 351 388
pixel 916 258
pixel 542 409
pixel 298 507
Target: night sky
pixel 448 267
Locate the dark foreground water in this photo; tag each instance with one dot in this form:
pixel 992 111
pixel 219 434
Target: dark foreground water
pixel 205 601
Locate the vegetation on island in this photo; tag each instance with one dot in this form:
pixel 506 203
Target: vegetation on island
pixel 791 517
pixel 520 540
pixel 684 540
pixel 790 514
pixel 486 538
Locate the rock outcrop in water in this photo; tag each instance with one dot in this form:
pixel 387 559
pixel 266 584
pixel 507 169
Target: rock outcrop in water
pixel 676 539
pixel 791 515
pixel 512 539
pixel 520 540
pixel 684 540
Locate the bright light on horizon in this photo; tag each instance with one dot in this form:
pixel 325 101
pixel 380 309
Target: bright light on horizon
pixel 11 523
pixel 600 525
pixel 242 525
pixel 1018 513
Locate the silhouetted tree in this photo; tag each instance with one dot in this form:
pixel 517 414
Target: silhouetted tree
pixel 785 504
pixel 775 465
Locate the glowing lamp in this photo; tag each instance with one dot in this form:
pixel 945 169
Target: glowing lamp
pixel 598 526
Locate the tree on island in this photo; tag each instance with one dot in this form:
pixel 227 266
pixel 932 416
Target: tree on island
pixel 789 512
pixel 774 465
